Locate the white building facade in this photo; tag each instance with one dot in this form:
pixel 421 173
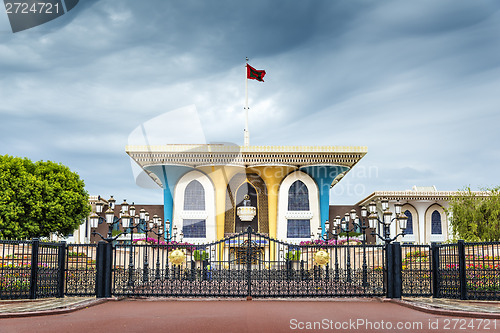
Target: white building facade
pixel 426 209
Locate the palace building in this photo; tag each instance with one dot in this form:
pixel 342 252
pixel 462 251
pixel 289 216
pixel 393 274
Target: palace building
pixel 214 190
pixel 297 207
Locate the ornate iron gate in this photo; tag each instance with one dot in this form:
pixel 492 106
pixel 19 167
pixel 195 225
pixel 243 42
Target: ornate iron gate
pixel 248 264
pixel 31 269
pixel 416 270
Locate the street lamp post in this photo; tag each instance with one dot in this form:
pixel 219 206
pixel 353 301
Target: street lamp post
pixel 386 220
pixel 138 220
pixel 165 234
pixel 128 219
pixel 110 219
pixel 145 274
pixel 344 227
pixel 357 223
pixel 326 236
pixel 159 234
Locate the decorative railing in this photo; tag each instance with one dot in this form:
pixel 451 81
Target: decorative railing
pixel 249 264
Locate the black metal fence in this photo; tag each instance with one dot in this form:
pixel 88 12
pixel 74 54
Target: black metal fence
pixel 416 270
pixel 249 264
pixel 31 269
pixel 467 270
pixel 81 269
pixel 482 270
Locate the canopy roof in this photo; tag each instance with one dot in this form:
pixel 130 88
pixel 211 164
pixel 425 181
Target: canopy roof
pixel 199 155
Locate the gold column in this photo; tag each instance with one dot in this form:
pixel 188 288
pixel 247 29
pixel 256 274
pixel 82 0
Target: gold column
pixel 272 176
pixel 220 176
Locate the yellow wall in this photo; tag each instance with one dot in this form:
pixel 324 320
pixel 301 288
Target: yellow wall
pixel 272 176
pixel 220 176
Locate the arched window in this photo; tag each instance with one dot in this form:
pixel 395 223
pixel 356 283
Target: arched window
pixel 194 196
pixel 298 196
pixel 436 223
pixel 409 224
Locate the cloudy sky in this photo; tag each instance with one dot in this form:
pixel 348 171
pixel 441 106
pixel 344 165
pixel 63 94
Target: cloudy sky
pixel 418 82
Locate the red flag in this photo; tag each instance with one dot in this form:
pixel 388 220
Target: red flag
pixel 255 74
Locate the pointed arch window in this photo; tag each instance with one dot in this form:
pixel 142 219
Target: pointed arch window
pixel 298 197
pixel 194 196
pixel 194 199
pixel 436 223
pixel 409 224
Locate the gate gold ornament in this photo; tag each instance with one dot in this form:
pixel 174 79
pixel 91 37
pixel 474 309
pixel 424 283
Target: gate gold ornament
pixel 177 257
pixel 321 257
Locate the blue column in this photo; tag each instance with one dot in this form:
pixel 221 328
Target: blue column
pixel 324 175
pixel 169 176
pixel 168 207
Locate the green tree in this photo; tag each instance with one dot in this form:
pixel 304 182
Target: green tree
pixel 37 199
pixel 475 216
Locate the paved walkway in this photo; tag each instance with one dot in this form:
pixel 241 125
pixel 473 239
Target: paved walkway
pixel 47 306
pixel 237 315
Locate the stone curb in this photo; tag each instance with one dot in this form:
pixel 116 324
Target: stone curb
pixel 440 311
pixel 56 311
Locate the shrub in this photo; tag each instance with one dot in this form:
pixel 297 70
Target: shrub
pixel 293 255
pixel 200 255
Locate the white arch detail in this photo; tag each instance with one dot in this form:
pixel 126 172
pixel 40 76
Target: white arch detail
pixel 428 224
pixel 284 214
pixel 179 214
pixel 415 220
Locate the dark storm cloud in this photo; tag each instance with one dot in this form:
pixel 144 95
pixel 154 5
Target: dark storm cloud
pixel 417 82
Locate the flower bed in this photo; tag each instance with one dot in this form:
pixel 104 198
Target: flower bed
pixel 16 276
pixel 416 260
pixel 15 281
pixel 340 241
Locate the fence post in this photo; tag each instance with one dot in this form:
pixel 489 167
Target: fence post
pixel 108 269
pixel 249 263
pixel 99 263
pixel 61 265
pixel 461 269
pixel 436 278
pixel 397 267
pixel 34 268
pixel 103 266
pixel 389 279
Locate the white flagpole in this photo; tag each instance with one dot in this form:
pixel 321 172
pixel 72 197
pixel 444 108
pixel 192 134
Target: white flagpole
pixel 246 137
